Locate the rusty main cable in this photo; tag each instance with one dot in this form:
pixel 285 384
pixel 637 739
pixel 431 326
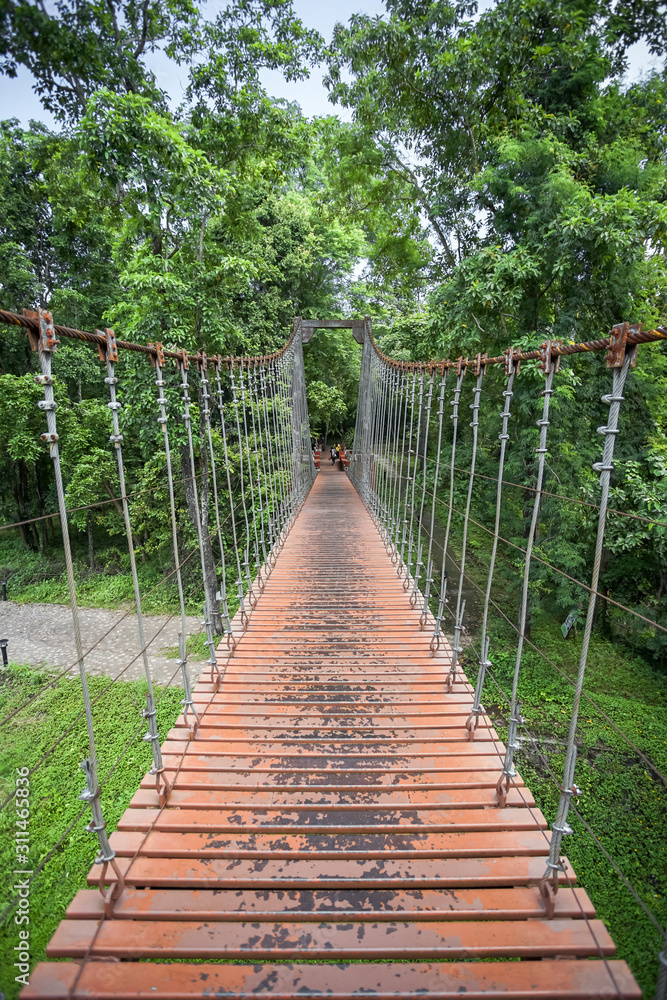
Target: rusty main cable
pixel 156 351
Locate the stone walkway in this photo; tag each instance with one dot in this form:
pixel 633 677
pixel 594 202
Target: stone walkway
pixel 42 635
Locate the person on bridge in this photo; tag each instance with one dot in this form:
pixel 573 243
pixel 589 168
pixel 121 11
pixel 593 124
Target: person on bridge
pixel 332 455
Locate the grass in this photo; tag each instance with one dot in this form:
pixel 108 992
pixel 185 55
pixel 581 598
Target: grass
pixel 33 578
pixel 195 645
pixel 55 785
pixel 622 800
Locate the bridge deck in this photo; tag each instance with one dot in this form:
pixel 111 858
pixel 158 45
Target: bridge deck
pixel 331 809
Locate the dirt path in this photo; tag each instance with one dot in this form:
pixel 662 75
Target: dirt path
pixel 42 634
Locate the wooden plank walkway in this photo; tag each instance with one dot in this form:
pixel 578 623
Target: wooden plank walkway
pixel 331 809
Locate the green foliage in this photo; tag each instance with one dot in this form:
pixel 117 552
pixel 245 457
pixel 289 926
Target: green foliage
pixel 123 759
pixel 510 141
pixel 37 578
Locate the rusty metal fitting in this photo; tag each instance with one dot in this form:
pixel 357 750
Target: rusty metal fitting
pixel 512 362
pixel 44 337
pixel 618 344
pixel 479 364
pixel 548 887
pixel 549 360
pixel 109 350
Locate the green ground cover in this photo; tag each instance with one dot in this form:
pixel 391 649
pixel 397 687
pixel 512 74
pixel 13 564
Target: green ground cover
pixel 623 800
pixel 33 578
pixel 57 782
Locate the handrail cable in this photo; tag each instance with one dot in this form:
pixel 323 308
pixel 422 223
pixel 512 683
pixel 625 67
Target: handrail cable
pixel 635 335
pixel 561 496
pixel 561 572
pixel 129 611
pixel 560 670
pixel 97 503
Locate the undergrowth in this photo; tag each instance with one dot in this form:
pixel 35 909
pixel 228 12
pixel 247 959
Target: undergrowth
pixel 35 578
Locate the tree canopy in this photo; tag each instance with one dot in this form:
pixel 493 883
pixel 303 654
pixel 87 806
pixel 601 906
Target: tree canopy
pixel 499 181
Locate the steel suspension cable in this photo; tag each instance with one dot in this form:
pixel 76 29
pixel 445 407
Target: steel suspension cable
pixel 460 603
pixel 413 484
pixel 549 366
pixel 442 600
pixel 604 468
pixel 383 448
pixel 280 455
pixel 396 477
pixel 252 395
pixel 420 521
pixel 484 663
pixel 399 520
pixel 268 464
pixel 46 344
pixel 254 500
pixel 239 579
pixel 196 510
pixel 222 593
pixel 374 434
pixel 429 557
pixel 116 439
pixel 246 551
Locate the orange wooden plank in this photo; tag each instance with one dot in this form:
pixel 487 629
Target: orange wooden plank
pixel 260 873
pixel 541 980
pixel 324 820
pixel 189 939
pixel 351 846
pixel 520 903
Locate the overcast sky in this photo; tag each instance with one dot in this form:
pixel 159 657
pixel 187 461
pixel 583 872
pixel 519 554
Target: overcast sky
pixel 18 100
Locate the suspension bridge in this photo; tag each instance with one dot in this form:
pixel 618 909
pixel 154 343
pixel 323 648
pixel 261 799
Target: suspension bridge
pixel 333 814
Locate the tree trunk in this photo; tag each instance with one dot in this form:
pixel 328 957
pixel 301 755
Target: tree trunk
pixel 40 502
pixel 29 535
pixel 91 547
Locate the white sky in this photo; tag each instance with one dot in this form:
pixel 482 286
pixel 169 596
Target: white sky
pixel 18 100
